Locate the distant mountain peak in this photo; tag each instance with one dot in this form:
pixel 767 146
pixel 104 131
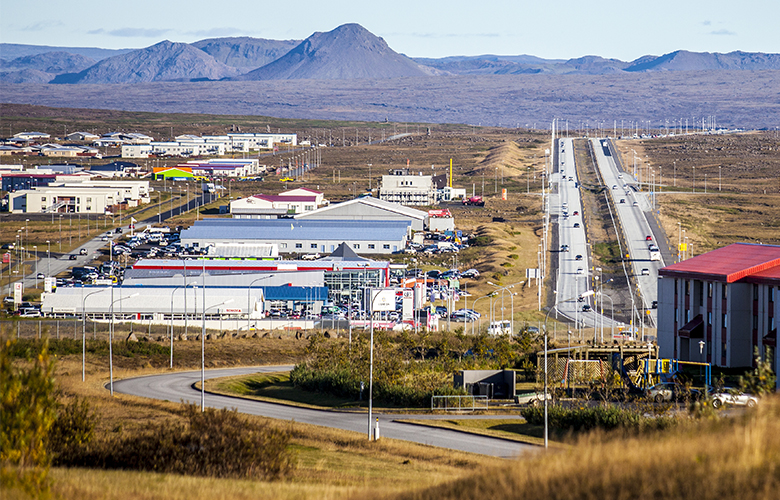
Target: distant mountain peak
pixel 347 52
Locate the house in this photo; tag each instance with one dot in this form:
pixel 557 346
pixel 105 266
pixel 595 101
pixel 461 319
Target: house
pixel 32 136
pixel 116 169
pixel 303 191
pixel 253 206
pixel 720 306
pixel 82 136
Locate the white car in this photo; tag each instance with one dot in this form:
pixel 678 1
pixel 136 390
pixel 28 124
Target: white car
pixel 729 396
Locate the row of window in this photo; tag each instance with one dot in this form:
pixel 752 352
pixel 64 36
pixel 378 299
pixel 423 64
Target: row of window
pixel 356 246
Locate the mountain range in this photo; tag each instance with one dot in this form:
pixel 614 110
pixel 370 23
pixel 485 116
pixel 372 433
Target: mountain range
pixel 347 52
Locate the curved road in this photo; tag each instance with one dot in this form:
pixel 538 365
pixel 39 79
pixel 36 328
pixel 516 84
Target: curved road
pixel 179 387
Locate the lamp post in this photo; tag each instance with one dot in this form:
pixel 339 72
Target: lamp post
pixel 193 283
pixel 84 332
pixel 587 293
pixel 48 257
pixel 474 305
pixel 612 308
pixel 111 337
pixel 60 232
pixel 203 350
pixel 248 293
pixel 35 248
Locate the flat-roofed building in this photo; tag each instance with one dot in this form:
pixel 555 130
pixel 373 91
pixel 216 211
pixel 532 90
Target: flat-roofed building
pixel 368 209
pixel 720 306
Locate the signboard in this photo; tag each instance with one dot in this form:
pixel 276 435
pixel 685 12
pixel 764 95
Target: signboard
pixel 407 302
pixel 382 299
pixel 49 285
pixel 6 258
pixel 683 247
pixel 532 273
pixel 232 310
pixel 441 213
pixel 18 291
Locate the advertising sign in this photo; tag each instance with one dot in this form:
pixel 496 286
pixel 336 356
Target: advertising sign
pixel 18 292
pixel 382 299
pixel 49 285
pixel 408 304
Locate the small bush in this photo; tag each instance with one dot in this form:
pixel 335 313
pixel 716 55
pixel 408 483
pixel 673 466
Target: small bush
pixel 605 417
pixel 215 443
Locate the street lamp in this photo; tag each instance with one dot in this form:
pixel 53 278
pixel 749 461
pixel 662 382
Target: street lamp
pixel 48 256
pixel 60 233
pixel 248 293
pixel 193 283
pixel 111 336
pixel 203 350
pixel 35 248
pixel 84 331
pixel 587 293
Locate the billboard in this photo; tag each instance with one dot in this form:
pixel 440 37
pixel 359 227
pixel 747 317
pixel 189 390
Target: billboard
pixel 382 299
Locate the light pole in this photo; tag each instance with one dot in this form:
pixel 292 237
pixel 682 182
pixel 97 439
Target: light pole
pixel 185 311
pixel 111 337
pixel 474 305
pixel 60 233
pixel 48 257
pixel 203 350
pixel 248 293
pixel 35 248
pixel 587 293
pixel 612 308
pixel 84 332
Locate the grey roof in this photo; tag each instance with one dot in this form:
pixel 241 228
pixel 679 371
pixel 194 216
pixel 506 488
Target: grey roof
pixel 370 201
pixel 287 229
pixel 343 253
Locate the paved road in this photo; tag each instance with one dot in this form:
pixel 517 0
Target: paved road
pixel 631 208
pixel 574 266
pixel 179 387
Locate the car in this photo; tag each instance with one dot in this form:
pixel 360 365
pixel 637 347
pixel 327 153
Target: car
pixel 73 257
pixel 654 304
pixel 645 271
pixel 648 238
pixel 575 213
pixel 118 230
pixel 614 186
pixel 653 247
pixel 580 270
pixel 105 238
pixel 286 179
pixel 671 391
pixel 40 276
pixel 83 251
pixel 564 248
pixel 730 396
pixel 8 301
pixel 29 313
pixel 635 204
pixel 578 257
pixel 576 224
pixel 620 176
pixel 470 273
pixel 622 200
pixel 585 308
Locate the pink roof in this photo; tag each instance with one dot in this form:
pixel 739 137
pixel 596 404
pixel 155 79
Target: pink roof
pixel 280 198
pixel 302 189
pixel 729 264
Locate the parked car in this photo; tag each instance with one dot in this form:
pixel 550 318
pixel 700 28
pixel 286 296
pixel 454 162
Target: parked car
pixel 730 396
pixel 670 391
pixel 470 273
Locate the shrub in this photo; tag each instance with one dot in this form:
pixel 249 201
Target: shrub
pixel 73 429
pixel 216 443
pixel 27 412
pixel 605 417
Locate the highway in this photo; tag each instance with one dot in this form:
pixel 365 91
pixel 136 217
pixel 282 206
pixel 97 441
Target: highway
pixel 180 387
pixel 574 266
pixel 631 207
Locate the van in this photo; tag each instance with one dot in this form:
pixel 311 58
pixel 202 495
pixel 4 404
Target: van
pixel 500 328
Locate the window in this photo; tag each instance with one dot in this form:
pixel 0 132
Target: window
pixel 723 288
pixel 687 287
pixel 356 245
pixel 314 246
pixel 299 245
pixel 370 246
pixel 755 322
pixel 709 318
pixel 725 320
pixel 755 292
pixel 709 290
pixel 386 247
pixel 308 208
pixel 282 245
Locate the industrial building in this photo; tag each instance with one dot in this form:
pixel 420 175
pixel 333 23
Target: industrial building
pixel 92 197
pixel 301 236
pixel 720 306
pixel 367 209
pixel 407 189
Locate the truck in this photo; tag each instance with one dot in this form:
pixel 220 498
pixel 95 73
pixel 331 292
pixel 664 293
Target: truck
pixel 500 328
pixel 475 201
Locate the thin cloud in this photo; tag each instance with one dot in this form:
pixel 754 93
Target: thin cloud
pixel 131 32
pixel 216 32
pixel 722 32
pixel 706 23
pixel 39 26
pixel 451 35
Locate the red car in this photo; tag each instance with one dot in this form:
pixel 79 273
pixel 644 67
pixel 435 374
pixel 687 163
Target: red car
pixel 648 238
pixel 576 213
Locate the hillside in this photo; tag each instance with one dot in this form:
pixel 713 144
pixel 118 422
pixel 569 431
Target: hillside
pixel 682 60
pixel 165 61
pixel 348 52
pixel 245 52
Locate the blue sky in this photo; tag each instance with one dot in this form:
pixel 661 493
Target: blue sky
pixel 564 29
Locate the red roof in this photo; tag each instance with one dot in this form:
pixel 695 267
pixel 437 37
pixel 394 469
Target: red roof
pixel 729 264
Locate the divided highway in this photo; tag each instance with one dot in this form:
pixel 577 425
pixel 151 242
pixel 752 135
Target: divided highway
pixel 180 387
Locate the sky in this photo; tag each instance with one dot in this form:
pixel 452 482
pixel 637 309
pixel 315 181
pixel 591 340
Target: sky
pixel 561 29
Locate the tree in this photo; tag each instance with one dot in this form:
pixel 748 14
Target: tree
pixel 761 380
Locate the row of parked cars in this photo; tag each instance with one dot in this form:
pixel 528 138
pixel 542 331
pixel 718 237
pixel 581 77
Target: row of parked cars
pixel 671 391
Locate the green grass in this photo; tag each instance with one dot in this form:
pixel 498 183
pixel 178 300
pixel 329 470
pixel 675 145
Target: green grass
pixel 277 386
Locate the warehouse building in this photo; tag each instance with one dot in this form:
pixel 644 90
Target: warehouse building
pixel 720 306
pixel 301 236
pixel 368 209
